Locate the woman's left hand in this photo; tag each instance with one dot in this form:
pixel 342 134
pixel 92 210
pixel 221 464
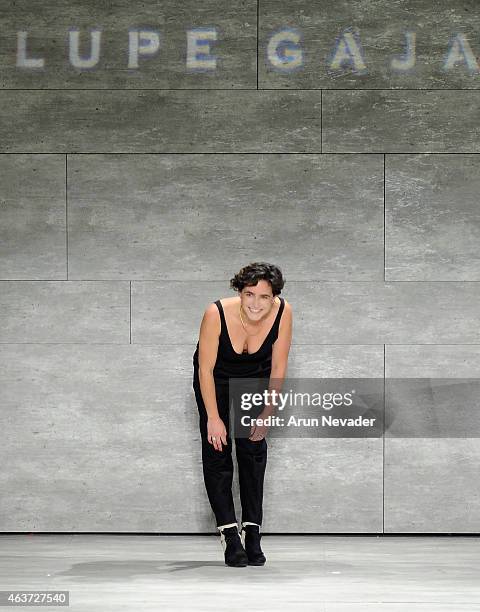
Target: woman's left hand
pixel 258 432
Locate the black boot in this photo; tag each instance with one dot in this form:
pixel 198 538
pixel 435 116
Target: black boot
pixel 235 555
pixel 251 540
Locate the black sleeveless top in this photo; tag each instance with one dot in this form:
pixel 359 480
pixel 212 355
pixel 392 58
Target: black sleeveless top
pixel 230 364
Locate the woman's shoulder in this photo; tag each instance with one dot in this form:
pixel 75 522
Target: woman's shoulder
pixel 229 302
pixel 287 308
pixel 211 312
pixel 211 319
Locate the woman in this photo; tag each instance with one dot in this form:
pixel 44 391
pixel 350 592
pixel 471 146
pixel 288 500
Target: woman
pixel 248 335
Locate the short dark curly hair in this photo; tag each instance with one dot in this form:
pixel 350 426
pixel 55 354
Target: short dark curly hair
pixel 260 270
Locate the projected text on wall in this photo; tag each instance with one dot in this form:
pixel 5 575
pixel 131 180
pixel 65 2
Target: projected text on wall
pixel 284 51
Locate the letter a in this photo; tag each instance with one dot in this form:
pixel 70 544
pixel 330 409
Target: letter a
pixel 348 50
pixel 460 51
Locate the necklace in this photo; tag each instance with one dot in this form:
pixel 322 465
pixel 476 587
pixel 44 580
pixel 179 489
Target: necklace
pixel 245 345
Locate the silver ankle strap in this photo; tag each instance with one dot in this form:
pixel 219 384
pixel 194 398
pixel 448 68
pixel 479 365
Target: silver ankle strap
pixel 222 527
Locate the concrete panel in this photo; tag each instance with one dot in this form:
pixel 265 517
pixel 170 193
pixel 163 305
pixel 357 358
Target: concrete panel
pixel 431 484
pixel 160 121
pixel 334 360
pixel 63 311
pixel 161 61
pixel 376 34
pixel 100 438
pixel 32 232
pixel 433 361
pixel 170 312
pixel 432 217
pixel 393 312
pixel 200 217
pixel 401 121
pixel 324 485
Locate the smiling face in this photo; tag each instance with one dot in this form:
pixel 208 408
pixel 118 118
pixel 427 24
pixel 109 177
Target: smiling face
pixel 257 300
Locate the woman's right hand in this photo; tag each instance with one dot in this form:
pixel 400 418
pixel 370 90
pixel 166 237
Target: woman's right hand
pixel 216 429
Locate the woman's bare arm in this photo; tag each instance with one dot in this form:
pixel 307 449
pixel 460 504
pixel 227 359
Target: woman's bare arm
pixel 281 346
pixel 207 356
pixel 281 349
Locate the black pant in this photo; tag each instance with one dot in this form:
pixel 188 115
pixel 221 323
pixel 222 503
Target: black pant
pixel 218 466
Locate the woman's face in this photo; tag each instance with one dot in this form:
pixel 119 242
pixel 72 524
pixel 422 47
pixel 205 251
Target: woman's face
pixel 257 301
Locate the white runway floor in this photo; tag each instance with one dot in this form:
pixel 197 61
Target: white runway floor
pixel 187 573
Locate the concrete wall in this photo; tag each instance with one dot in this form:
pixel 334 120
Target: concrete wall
pixel 129 197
